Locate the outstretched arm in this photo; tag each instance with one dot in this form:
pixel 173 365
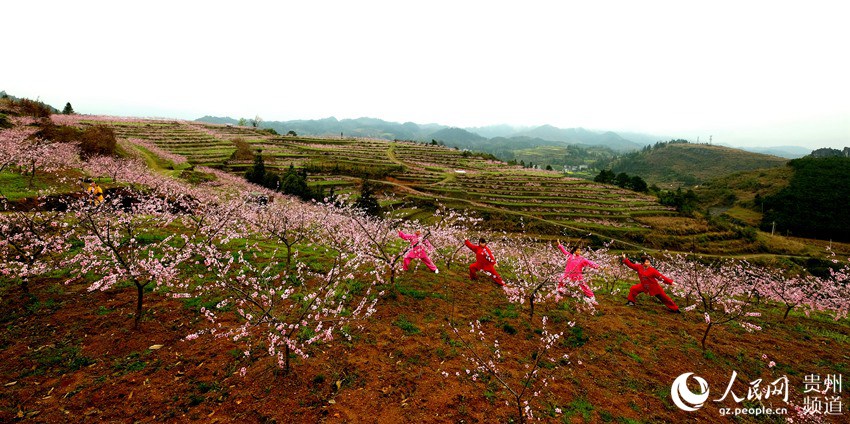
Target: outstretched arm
pixel 629 263
pixel 404 236
pixel 469 245
pixel 564 251
pixel 663 277
pixel 588 262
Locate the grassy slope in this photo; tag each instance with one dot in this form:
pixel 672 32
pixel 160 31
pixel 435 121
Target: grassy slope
pixel 674 164
pixel 735 194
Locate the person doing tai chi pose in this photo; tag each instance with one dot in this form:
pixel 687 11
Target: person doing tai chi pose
pixel 419 248
pixel 94 192
pixel 573 269
pixel 484 261
pixel 649 283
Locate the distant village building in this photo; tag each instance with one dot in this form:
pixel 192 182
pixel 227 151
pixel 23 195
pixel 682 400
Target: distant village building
pixel 575 168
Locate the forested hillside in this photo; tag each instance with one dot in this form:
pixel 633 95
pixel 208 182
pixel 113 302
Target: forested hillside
pixel 679 163
pixel 816 202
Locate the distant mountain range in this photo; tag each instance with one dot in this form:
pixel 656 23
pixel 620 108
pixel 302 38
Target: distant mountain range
pixel 491 139
pixel 469 138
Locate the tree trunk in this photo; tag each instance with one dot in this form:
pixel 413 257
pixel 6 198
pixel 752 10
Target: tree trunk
pixel 286 361
pixel 288 257
pixel 32 176
pixel 140 289
pixel 519 411
pixel 705 335
pixel 787 311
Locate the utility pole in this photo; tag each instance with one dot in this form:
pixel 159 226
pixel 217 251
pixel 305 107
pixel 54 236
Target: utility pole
pixel 709 139
pixel 773 229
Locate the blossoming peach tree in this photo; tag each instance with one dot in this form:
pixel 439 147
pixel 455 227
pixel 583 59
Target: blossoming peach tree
pixel 289 307
pixel 489 362
pixel 31 242
pixel 723 290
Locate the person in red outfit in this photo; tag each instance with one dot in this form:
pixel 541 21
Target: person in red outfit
pixel 484 261
pixel 649 283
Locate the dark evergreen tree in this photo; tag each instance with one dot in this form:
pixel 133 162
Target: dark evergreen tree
pixel 295 183
pixel 605 176
pixel 257 174
pixel 623 180
pixel 684 202
pixel 68 109
pixel 367 201
pixel 271 181
pixel 638 184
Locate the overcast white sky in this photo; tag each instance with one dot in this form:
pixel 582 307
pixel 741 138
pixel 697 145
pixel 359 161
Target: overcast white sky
pixel 754 73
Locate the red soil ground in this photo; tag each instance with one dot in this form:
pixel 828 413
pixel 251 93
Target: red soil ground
pixel 73 356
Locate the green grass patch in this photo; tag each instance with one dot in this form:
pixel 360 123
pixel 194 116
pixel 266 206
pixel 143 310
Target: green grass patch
pixel 809 332
pixel 580 406
pixel 411 292
pixel 408 327
pixel 43 306
pixel 131 363
pixel 16 186
pixel 64 358
pixel 576 337
pixel 509 311
pixel 634 356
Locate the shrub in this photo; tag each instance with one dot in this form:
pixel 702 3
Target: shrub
pixel 243 151
pixel 34 108
pixel 97 140
pixel 94 141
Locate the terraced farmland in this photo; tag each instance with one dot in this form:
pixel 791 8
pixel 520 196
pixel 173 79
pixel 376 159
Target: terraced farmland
pixel 427 174
pixel 561 200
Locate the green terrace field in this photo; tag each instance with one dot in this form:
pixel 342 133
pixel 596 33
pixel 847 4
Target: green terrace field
pixel 555 198
pixel 201 144
pixel 509 197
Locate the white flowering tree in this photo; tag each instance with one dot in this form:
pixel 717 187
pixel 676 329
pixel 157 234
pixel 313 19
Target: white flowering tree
pixel 484 353
pixel 721 289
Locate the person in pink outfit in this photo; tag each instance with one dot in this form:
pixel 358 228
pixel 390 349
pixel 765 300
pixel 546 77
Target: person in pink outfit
pixel 573 270
pixel 419 248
